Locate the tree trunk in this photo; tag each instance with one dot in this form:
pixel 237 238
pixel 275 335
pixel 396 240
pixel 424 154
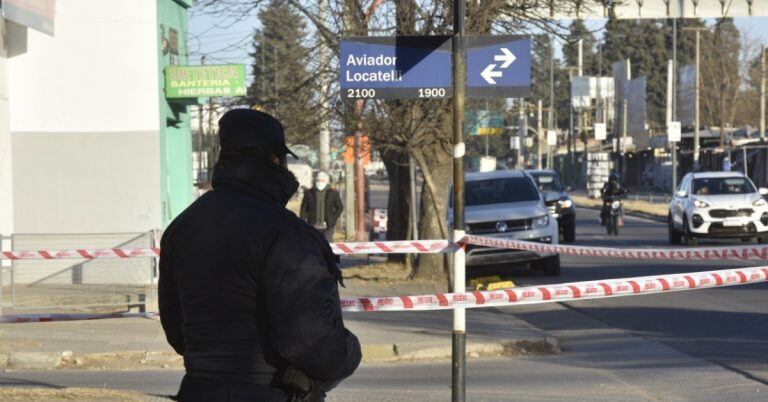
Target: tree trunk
pixel 435 164
pixel 398 203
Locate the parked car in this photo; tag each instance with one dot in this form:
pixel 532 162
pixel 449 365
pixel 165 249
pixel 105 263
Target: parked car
pixel 717 205
pixel 507 204
pixel 558 202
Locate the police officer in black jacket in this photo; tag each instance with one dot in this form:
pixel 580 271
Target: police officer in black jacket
pixel 248 292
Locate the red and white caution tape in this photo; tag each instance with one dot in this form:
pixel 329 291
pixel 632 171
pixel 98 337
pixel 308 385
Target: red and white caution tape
pixel 394 247
pixel 498 298
pixel 385 247
pixel 80 254
pixel 742 253
pixel 561 292
pixel 23 318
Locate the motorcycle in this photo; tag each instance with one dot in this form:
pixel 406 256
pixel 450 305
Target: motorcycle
pixel 614 219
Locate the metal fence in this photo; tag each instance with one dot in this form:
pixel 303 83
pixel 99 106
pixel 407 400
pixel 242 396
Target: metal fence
pixel 92 285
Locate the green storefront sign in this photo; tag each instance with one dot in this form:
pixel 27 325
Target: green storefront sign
pixel 204 81
pixel 483 122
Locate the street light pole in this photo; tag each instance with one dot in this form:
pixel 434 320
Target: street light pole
pixel 539 135
pixel 459 338
pixel 697 114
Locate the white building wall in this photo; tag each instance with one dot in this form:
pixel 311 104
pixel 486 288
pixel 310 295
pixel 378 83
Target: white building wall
pixel 6 185
pixel 84 120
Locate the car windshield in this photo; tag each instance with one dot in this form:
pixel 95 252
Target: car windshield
pixel 548 182
pixel 500 191
pixel 722 186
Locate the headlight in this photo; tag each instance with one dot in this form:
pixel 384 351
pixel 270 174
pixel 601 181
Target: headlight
pixel 567 203
pixel 540 222
pixel 760 202
pixel 700 204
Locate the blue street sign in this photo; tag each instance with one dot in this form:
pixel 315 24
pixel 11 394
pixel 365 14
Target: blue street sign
pixel 395 67
pixel 498 66
pixel 420 67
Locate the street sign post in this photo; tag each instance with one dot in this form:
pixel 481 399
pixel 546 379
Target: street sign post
pixel 435 67
pixel 395 67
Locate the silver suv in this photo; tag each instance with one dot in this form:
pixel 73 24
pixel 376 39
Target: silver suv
pixel 507 204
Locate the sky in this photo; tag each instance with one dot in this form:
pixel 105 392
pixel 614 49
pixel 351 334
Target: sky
pixel 223 41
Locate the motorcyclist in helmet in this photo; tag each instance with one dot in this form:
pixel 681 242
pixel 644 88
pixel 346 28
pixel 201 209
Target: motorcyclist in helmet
pixel 611 191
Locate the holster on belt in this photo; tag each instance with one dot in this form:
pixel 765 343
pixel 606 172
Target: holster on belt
pixel 302 388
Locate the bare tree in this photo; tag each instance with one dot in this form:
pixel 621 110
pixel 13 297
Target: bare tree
pixel 418 128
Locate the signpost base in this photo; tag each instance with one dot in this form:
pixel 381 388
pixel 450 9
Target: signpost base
pixel 459 366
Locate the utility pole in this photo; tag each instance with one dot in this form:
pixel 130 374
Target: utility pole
pixel 551 111
pixel 762 175
pixel 523 127
pixel 325 128
pixel 459 339
pixel 670 118
pixel 277 81
pixel 623 141
pixel 539 136
pixel 762 93
pixel 414 211
pixel 696 102
pixel 359 174
pixel 200 136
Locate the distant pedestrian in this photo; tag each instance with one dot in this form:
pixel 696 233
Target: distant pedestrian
pixel 727 164
pixel 321 206
pixel 248 292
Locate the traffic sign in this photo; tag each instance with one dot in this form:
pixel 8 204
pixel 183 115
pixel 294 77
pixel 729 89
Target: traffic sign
pixel 673 131
pixel 551 137
pixel 484 122
pixel 395 67
pixel 600 131
pixel 498 66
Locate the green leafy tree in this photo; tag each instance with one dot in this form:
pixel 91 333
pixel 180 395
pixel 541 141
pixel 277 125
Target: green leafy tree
pixel 283 85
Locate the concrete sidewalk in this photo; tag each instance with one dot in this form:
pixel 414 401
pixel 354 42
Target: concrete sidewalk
pixel 657 211
pixel 139 343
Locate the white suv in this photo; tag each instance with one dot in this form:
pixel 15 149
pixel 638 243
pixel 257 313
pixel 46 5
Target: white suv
pixel 717 205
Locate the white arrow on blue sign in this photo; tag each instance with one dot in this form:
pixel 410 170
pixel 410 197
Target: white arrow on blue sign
pixel 498 66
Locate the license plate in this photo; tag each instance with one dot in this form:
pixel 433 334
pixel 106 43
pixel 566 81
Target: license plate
pixel 732 223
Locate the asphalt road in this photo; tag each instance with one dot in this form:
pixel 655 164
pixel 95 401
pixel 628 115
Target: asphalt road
pixel 702 345
pixel 727 326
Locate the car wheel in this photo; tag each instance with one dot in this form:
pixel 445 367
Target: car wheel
pixel 674 235
pixel 550 266
pixel 746 239
pixel 569 233
pixel 690 241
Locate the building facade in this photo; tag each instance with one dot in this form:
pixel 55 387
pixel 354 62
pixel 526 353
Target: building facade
pixel 88 141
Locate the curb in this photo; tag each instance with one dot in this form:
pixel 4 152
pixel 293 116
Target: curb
pixel 629 212
pixel 390 352
pixel 372 353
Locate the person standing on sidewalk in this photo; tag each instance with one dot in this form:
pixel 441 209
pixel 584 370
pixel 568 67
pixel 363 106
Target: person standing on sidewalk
pixel 248 292
pixel 322 206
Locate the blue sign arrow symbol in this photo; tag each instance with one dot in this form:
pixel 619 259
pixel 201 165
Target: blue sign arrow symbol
pixel 489 74
pixel 508 57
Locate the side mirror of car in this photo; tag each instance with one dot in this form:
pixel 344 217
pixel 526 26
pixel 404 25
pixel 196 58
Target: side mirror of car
pixel 681 194
pixel 763 191
pixel 569 189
